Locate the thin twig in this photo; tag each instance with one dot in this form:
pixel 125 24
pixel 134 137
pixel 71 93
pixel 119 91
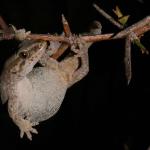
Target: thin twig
pixel 66 27
pixel 127 59
pixel 63 46
pixel 108 17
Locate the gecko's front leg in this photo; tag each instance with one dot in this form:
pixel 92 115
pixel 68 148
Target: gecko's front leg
pixel 83 61
pixel 76 67
pixel 80 47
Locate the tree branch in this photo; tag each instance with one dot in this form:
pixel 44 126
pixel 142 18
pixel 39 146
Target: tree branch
pixel 108 17
pixel 138 28
pixel 131 34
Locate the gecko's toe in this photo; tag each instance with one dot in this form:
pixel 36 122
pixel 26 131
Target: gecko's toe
pixel 26 127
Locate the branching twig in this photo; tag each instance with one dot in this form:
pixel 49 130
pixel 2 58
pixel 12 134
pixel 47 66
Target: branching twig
pixel 132 34
pixel 138 28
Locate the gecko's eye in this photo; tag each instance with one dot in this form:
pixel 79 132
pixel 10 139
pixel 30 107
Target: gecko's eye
pixel 23 55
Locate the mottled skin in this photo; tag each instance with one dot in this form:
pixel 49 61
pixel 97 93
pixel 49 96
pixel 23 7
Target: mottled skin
pixel 36 94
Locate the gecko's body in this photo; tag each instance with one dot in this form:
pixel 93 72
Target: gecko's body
pixel 36 94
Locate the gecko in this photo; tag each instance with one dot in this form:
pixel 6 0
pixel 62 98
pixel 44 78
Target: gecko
pixel 35 94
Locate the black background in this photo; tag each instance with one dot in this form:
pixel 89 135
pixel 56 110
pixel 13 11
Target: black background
pixel 101 110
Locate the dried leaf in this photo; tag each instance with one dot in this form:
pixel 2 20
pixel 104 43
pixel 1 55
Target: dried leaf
pixel 141 46
pixel 121 18
pixel 118 12
pixel 124 20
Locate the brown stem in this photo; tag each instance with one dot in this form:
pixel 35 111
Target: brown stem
pixel 66 27
pixel 47 37
pixel 87 38
pixel 96 38
pixel 60 51
pixel 127 59
pixel 63 46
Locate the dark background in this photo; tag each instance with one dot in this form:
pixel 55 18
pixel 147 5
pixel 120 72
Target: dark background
pixel 101 110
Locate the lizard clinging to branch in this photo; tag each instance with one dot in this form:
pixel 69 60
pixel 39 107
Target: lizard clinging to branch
pixel 35 94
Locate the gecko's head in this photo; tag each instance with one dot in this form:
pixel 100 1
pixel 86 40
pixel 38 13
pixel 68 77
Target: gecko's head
pixel 27 56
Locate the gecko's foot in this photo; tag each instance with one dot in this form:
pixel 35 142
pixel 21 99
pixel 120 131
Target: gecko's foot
pixel 77 44
pixel 26 127
pixel 74 42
